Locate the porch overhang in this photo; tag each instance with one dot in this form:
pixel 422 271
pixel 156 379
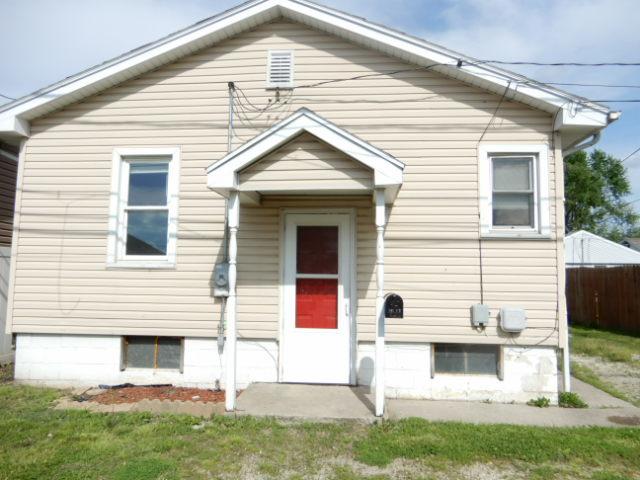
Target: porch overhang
pixel 387 171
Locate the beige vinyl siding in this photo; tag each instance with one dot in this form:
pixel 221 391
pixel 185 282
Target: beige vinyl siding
pixel 305 163
pixel 431 123
pixel 8 173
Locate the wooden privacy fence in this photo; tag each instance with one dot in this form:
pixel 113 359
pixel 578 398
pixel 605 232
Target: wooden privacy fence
pixel 605 297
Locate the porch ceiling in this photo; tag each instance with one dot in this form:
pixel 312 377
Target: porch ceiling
pixel 386 171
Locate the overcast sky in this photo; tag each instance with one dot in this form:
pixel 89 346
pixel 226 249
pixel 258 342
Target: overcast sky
pixel 42 41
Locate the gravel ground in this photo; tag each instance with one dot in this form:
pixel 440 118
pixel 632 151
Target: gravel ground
pixel 625 377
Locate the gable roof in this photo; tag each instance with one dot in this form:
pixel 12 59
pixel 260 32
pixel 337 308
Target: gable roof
pixel 222 176
pixel 586 248
pixel 576 116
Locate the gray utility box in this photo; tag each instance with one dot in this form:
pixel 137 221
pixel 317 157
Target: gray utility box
pixel 221 280
pixel 479 315
pixel 513 319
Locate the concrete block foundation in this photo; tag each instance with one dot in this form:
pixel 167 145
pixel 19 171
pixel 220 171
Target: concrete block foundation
pixel 88 360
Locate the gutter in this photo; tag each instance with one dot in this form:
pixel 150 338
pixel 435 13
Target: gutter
pixel 595 137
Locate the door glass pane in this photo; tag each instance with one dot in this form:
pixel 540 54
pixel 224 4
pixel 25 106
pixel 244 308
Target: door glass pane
pixel 512 173
pixel 316 303
pixel 317 250
pixel 169 349
pixel 513 209
pixel 148 184
pixel 140 352
pixel 147 232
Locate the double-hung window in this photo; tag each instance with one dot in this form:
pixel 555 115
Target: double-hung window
pixel 143 223
pixel 514 191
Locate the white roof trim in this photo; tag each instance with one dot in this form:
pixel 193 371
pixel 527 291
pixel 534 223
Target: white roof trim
pixel 222 176
pixel 576 112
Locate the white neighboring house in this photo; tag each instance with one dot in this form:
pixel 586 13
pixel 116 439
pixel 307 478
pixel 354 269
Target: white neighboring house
pixel 587 249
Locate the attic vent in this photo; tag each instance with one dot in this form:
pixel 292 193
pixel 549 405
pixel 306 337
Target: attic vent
pixel 280 69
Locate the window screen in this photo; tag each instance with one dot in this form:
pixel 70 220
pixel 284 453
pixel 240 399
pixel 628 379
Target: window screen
pixel 153 352
pixel 469 359
pixel 513 191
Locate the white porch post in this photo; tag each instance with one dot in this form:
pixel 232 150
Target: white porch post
pixel 379 360
pixel 230 354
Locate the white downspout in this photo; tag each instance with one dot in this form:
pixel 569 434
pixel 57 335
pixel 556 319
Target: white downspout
pixel 595 138
pixel 379 350
pixel 566 356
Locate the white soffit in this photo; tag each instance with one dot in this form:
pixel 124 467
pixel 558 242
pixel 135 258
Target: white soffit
pixel 575 111
pixel 222 176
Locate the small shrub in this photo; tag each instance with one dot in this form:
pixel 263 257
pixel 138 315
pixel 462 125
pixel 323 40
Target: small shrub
pixel 571 400
pixel 541 402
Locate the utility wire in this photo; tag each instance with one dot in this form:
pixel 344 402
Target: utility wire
pixel 631 155
pixel 600 85
pixel 563 64
pixel 6 96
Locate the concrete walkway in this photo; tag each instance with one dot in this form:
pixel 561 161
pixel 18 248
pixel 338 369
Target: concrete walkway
pixel 309 402
pixel 330 403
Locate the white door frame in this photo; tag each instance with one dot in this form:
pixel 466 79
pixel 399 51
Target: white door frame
pixel 353 287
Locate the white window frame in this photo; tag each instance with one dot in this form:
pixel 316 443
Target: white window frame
pixel 542 223
pixel 274 85
pixel 116 248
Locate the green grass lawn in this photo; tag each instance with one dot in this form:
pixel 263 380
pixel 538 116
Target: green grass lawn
pixel 615 347
pixel 39 442
pixel 609 346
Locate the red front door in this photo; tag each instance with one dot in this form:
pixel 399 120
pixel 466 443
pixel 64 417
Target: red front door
pixel 316 335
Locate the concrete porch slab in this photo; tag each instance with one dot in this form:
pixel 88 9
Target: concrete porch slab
pixel 309 402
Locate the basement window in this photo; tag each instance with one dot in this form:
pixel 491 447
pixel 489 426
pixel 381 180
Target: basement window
pixel 280 69
pixel 467 359
pixel 153 352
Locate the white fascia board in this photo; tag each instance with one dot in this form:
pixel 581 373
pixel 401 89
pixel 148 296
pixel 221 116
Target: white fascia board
pixel 140 62
pixel 222 175
pixel 580 118
pixel 259 11
pixel 406 44
pixel 12 125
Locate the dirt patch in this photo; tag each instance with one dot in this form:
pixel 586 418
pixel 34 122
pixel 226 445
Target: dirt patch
pixel 6 373
pixel 629 421
pixel 624 377
pixel 135 394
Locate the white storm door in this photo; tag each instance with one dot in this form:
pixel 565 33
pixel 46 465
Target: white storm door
pixel 316 324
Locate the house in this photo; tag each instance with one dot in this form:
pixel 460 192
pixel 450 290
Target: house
pixel 232 204
pixel 585 249
pixel 8 170
pixel 632 242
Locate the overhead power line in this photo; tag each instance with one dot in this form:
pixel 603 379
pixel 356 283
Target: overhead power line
pixel 562 64
pixel 631 155
pixel 6 96
pixel 600 85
